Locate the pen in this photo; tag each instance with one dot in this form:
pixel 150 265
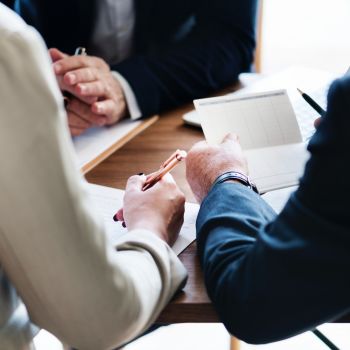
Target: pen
pixel 78 51
pixel 312 103
pixel 166 167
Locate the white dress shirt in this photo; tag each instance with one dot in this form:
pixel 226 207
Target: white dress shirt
pixel 112 40
pixel 53 248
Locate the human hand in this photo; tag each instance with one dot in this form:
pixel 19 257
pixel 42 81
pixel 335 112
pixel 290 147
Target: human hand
pixel 81 117
pixel 204 163
pixel 159 209
pixel 90 80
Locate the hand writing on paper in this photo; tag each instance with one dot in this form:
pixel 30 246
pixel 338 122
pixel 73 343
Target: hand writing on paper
pixel 160 209
pixel 98 98
pixel 205 163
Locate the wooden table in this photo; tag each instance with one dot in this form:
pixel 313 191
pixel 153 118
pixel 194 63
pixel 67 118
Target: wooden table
pixel 145 153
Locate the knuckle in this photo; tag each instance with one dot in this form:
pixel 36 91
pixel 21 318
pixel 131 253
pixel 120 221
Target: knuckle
pixel 93 73
pixel 103 87
pixel 99 62
pixel 82 60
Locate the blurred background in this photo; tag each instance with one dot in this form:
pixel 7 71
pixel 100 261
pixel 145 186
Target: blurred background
pixel 315 33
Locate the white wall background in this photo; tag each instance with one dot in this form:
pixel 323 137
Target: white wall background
pixel 314 33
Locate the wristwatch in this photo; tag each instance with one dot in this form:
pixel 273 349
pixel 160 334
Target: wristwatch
pixel 235 175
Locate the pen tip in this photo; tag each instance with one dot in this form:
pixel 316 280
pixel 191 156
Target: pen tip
pixel 300 91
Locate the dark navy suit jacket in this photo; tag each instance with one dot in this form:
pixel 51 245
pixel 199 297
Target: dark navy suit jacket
pixel 184 49
pixel 271 277
pixel 8 3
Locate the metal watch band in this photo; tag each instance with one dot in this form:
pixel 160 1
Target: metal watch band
pixel 235 175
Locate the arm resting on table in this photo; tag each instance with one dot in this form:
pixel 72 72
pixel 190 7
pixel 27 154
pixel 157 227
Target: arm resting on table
pixel 273 277
pixel 53 248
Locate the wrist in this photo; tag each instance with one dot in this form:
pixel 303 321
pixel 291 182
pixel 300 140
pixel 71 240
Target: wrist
pixel 237 177
pixel 150 226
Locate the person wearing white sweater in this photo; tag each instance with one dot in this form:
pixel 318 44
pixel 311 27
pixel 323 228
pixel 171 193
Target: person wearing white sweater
pixel 57 269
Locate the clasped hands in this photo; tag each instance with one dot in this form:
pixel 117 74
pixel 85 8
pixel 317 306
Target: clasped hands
pixel 96 97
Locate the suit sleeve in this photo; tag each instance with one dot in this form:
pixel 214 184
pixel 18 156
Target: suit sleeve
pixel 53 248
pixel 218 47
pixel 272 277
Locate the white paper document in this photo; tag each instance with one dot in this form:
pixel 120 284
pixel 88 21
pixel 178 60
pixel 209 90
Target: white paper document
pixel 314 82
pixel 278 199
pixel 268 132
pixel 108 201
pixel 95 141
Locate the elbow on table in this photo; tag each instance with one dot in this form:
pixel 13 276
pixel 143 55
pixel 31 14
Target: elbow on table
pixel 245 327
pixel 247 320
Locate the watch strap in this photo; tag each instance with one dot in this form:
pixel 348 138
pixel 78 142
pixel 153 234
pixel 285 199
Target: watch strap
pixel 237 176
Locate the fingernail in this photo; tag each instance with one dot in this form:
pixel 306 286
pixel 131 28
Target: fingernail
pixel 99 109
pixel 71 78
pixel 140 174
pixel 123 224
pixel 82 88
pixel 115 218
pixel 57 68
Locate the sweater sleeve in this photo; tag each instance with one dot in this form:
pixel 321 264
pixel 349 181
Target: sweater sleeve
pixel 53 248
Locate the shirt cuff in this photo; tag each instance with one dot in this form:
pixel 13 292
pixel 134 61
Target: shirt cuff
pixel 133 106
pixel 164 257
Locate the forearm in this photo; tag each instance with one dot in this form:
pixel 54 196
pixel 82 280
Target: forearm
pixel 325 186
pixel 53 248
pixel 269 279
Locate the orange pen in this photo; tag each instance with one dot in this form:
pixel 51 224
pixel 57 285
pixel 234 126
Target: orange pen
pixel 167 166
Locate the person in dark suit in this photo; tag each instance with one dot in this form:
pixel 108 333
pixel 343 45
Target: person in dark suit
pixel 164 53
pixel 271 277
pixel 8 3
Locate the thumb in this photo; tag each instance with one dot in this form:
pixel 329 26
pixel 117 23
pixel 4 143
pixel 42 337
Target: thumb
pixel 135 183
pixel 56 55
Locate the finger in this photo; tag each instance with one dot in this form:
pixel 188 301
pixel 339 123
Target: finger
pixel 231 137
pixel 77 122
pixel 96 89
pixel 120 215
pixel 72 63
pixel 56 55
pixel 82 75
pixel 84 111
pixel 197 147
pixel 108 108
pixel 71 89
pixel 75 131
pixel 135 183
